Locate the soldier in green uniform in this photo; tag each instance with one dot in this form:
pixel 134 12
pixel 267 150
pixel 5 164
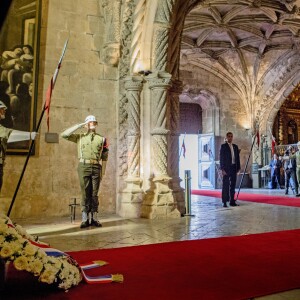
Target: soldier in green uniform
pixel 8 135
pixel 92 154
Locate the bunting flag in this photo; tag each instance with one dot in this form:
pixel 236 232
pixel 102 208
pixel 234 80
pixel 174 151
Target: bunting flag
pixel 257 138
pixel 273 144
pixel 52 84
pixel 83 267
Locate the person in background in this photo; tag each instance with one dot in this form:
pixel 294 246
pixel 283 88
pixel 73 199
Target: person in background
pixel 230 166
pixel 296 156
pixel 275 166
pixel 290 171
pixel 7 121
pixel 92 154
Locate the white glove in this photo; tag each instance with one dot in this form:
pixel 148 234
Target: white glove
pixel 33 135
pixel 72 129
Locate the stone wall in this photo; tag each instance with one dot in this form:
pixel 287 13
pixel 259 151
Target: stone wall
pixel 85 85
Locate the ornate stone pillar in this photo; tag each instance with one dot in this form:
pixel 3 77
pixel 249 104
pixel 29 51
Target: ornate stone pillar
pixel 132 195
pixel 173 165
pixel 159 201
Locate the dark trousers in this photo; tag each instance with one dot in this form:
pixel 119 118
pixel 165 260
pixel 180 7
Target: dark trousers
pixel 291 174
pixel 228 188
pixel 89 178
pixel 275 180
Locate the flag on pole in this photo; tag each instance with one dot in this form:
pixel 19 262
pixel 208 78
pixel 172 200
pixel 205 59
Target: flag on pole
pixel 273 144
pixel 52 84
pixel 183 148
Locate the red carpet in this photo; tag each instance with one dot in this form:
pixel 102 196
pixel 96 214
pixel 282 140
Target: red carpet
pixel 222 268
pixel 260 198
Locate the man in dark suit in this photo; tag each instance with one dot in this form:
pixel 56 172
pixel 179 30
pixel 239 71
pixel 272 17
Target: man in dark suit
pixel 230 166
pixel 275 165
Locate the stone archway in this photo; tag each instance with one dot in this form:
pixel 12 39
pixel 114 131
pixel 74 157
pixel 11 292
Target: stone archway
pixel 153 46
pixel 210 107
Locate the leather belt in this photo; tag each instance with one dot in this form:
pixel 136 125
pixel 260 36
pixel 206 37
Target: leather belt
pixel 89 161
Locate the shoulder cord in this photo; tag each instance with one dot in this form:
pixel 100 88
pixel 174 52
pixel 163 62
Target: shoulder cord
pixel 80 146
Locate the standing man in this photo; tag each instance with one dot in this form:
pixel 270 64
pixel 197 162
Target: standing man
pixel 297 157
pixel 9 135
pixel 230 166
pixel 290 167
pixel 92 154
pixel 275 165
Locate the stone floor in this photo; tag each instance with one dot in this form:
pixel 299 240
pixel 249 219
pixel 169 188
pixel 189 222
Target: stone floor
pixel 210 220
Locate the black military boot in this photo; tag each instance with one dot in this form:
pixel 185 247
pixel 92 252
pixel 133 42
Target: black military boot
pixel 94 220
pixel 85 221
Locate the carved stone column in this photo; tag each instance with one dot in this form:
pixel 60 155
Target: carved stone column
pixel 173 165
pixel 159 201
pixel 132 195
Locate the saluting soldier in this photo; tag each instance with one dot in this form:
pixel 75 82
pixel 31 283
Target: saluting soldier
pixel 92 154
pixel 9 135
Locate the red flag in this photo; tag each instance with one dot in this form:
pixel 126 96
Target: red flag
pixel 52 84
pixel 257 138
pixel 273 144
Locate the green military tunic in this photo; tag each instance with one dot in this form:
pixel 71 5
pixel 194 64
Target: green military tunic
pixel 92 149
pixel 297 156
pixel 90 146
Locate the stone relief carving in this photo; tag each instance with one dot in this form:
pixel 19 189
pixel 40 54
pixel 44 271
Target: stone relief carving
pixel 123 116
pixel 160 50
pixel 175 91
pixel 127 21
pixel 159 85
pixel 126 38
pixel 164 11
pixel 137 31
pixel 134 87
pixel 111 54
pixel 112 17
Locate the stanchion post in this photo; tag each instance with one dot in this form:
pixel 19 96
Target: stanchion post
pixel 187 181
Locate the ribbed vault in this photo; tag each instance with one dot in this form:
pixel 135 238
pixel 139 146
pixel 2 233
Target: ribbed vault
pixel 252 45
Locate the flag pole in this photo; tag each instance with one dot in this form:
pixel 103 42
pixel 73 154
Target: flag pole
pixel 45 106
pixel 25 164
pixel 246 167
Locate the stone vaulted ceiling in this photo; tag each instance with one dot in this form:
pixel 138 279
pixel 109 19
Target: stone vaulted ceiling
pixel 253 45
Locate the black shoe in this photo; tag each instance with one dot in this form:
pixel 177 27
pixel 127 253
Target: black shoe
pixel 298 195
pixel 225 205
pixel 95 223
pixel 85 224
pixel 233 204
